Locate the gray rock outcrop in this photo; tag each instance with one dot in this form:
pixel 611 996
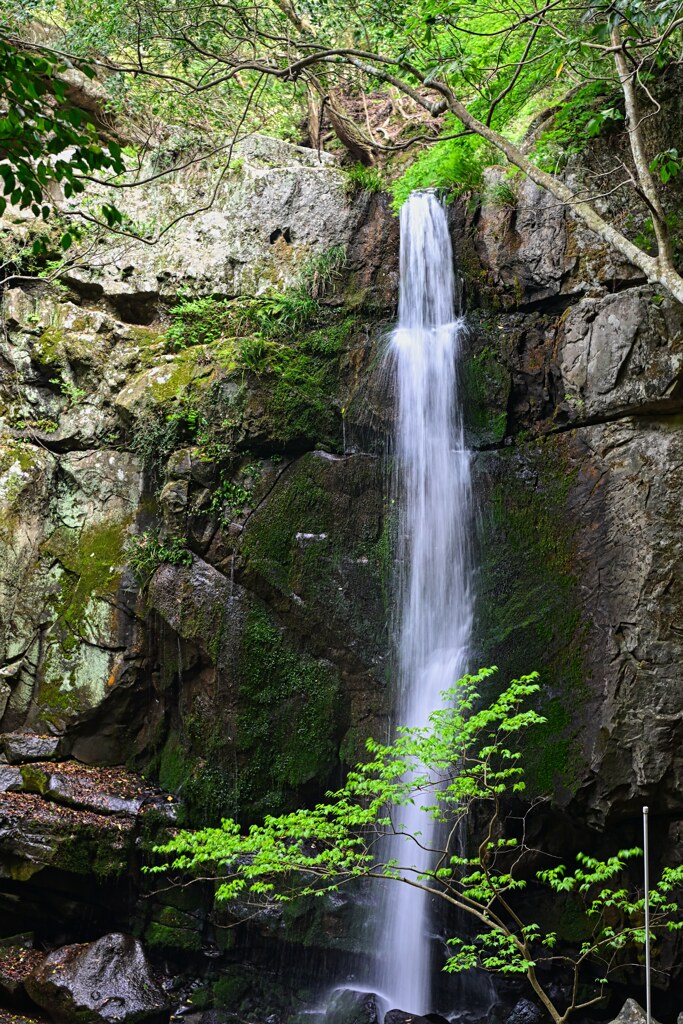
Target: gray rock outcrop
pixel 98 983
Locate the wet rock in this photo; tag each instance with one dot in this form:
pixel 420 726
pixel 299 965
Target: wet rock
pixel 525 1012
pixel 24 746
pixel 103 981
pixel 632 1013
pixel 10 779
pixel 36 834
pixel 16 963
pixel 349 1006
pixel 402 1017
pixel 621 353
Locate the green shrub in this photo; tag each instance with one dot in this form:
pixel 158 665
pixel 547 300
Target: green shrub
pixel 363 179
pixel 200 322
pixel 456 165
pixel 576 122
pixel 502 194
pixel 146 552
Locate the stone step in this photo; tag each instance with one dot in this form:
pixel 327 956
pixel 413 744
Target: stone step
pixel 104 791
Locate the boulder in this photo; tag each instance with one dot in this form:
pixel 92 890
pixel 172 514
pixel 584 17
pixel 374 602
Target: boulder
pixel 16 963
pixel 632 1013
pixel 351 1006
pixel 10 779
pixel 102 981
pixel 402 1017
pixel 25 746
pixel 525 1012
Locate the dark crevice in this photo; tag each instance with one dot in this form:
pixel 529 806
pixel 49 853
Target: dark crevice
pixel 644 412
pixel 52 444
pixel 550 304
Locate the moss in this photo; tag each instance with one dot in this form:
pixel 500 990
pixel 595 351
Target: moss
pixel 283 736
pixel 170 380
pixel 231 989
pixel 55 702
pixel 287 721
pixel 34 779
pixel 174 918
pixel 486 388
pixel 93 560
pixel 302 505
pixel 91 850
pixel 182 940
pixel 16 453
pixel 300 405
pixel 202 998
pixel 384 553
pixel 172 765
pixel 48 350
pixel 528 602
pixel 330 340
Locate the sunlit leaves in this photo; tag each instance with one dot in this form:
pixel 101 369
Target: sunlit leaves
pixel 667 165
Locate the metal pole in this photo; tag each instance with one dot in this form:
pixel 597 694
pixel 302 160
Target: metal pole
pixel 646 858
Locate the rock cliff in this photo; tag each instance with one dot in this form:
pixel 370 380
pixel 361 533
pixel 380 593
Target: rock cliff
pixel 195 540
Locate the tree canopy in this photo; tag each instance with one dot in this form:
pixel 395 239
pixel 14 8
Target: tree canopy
pixel 474 75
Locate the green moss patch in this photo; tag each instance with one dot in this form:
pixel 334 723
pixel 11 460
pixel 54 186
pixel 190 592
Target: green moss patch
pixel 165 937
pixel 486 385
pixel 288 711
pixel 300 505
pixel 528 611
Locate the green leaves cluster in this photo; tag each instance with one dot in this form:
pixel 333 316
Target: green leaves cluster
pixel 43 139
pixel 467 760
pixel 147 551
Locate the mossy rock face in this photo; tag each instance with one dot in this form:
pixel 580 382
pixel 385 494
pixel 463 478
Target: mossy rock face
pixel 172 939
pixel 38 834
pixel 63 543
pixel 579 580
pixel 486 389
pixel 288 718
pixel 319 537
pixel 528 613
pixel 230 989
pixel 256 730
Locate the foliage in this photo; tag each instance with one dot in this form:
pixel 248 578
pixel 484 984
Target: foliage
pixel 322 271
pixel 200 321
pixel 666 165
pixel 363 179
pixel 69 389
pixel 230 497
pixel 147 551
pixel 455 165
pixel 203 321
pixel 502 194
pixel 157 435
pixel 44 140
pixel 574 124
pixel 465 761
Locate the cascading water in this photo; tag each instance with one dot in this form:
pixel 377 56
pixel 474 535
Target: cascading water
pixel 434 611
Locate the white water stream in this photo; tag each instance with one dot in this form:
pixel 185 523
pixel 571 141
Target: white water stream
pixel 434 612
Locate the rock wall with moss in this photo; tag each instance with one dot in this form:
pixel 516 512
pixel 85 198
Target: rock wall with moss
pixel 192 545
pixel 574 378
pixel 195 540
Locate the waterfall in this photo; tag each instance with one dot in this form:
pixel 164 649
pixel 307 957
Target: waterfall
pixel 434 608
